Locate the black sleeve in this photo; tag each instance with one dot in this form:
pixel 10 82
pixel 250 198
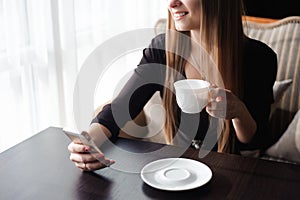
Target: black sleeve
pixel 260 75
pixel 146 79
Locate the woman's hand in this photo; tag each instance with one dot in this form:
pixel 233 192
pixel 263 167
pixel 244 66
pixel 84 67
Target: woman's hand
pixel 87 159
pixel 224 104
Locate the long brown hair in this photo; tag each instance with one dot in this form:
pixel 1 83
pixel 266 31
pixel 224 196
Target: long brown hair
pixel 221 34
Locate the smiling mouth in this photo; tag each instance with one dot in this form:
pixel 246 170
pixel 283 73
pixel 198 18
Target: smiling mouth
pixel 180 15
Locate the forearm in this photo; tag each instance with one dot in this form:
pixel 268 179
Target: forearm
pixel 244 125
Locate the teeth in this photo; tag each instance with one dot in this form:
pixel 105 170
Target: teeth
pixel 179 14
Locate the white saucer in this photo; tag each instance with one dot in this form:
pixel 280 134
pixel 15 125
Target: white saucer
pixel 176 174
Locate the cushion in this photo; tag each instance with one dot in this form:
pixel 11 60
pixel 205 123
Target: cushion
pixel 280 87
pixel 288 146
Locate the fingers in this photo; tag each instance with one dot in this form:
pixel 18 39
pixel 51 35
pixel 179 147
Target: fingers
pixel 78 148
pixel 90 162
pixel 87 160
pixel 217 94
pixel 85 157
pixel 91 166
pixel 217 103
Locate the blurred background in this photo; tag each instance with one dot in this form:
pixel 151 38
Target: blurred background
pixel 276 9
pixel 42 47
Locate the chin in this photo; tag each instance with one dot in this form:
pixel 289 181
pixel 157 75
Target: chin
pixel 180 28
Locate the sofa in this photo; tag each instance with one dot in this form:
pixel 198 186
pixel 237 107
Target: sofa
pixel 283 36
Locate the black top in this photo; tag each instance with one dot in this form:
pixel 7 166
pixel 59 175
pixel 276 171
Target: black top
pixel 260 68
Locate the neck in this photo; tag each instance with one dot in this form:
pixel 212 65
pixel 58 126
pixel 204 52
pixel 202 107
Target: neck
pixel 195 36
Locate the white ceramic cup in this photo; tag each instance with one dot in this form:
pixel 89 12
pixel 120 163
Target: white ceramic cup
pixel 192 94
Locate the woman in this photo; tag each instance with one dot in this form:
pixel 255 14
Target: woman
pixel 247 67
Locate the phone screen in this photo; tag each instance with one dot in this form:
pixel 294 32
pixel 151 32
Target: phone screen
pixel 83 138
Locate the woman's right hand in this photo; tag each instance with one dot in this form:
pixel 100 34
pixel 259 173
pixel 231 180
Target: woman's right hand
pixel 86 159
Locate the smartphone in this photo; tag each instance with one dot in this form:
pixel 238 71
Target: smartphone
pixel 84 138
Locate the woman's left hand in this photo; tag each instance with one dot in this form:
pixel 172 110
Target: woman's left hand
pixel 223 104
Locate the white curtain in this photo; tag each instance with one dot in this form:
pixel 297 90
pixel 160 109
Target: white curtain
pixel 43 44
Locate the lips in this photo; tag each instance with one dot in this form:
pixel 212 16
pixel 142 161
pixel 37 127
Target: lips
pixel 179 15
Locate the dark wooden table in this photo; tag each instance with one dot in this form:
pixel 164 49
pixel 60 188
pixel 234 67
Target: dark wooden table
pixel 39 169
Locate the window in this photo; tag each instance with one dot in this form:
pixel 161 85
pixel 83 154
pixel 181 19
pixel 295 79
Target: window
pixel 42 47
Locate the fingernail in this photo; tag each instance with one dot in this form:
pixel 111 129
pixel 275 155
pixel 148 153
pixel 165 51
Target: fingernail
pixel 218 99
pixel 100 156
pixel 109 163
